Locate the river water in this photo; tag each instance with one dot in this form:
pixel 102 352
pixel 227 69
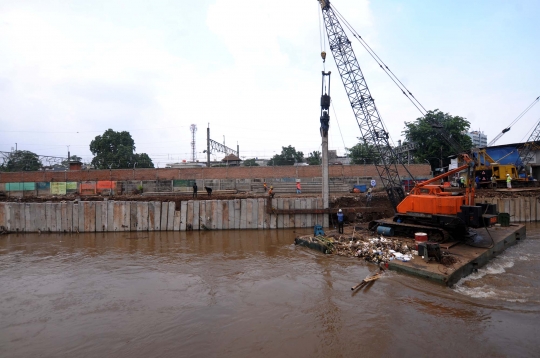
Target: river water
pixel 251 294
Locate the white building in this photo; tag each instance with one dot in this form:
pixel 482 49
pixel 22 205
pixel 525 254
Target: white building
pixel 479 139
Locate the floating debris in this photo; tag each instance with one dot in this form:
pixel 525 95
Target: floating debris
pixel 376 250
pixel 367 280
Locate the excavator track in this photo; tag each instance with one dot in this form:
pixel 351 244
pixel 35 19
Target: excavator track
pixel 435 234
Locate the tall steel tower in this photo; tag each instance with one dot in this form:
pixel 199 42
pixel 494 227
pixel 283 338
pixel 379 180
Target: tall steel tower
pixel 193 129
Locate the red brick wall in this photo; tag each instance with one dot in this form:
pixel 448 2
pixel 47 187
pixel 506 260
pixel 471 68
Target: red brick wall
pixel 336 171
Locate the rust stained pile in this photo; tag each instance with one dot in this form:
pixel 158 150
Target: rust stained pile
pixel 377 250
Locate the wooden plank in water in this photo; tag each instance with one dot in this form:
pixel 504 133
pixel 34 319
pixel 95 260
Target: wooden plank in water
pixel 367 280
pixel 104 216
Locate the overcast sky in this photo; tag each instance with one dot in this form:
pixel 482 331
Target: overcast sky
pixel 69 70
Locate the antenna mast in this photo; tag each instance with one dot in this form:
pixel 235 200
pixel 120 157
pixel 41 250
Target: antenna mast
pixel 193 129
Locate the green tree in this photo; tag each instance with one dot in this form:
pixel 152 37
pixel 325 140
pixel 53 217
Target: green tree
pixel 431 145
pixel 250 163
pixel 314 158
pixel 288 156
pixel 142 160
pixel 363 153
pixel 116 150
pixel 21 161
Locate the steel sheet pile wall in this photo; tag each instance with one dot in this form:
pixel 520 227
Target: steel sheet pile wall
pixel 521 209
pixel 100 216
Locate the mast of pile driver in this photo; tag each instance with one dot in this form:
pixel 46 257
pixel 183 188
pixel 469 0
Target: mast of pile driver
pixel 367 116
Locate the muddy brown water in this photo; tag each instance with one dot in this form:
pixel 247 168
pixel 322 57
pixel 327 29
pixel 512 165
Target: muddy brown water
pixel 251 294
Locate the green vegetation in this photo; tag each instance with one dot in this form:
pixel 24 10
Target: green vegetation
pixel 21 161
pixel 116 150
pixel 314 158
pixel 363 153
pixel 288 156
pixel 250 163
pixel 431 146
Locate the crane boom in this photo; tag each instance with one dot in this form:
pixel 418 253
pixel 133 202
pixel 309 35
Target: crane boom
pixel 526 153
pixel 367 116
pixel 513 122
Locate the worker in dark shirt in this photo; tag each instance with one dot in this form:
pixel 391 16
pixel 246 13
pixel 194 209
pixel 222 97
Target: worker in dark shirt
pixel 340 221
pixel 195 189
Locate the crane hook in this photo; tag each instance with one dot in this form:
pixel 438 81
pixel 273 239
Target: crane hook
pixel 323 55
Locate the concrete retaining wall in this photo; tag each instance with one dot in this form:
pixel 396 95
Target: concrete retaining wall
pixel 521 209
pixel 98 216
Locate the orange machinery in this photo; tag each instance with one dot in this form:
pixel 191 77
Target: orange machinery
pixel 443 215
pixel 427 198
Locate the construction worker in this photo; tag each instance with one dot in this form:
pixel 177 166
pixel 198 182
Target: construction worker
pixel 271 192
pixel 493 182
pixel 298 188
pixel 508 181
pixel 368 196
pixel 340 221
pixel 195 189
pixel 462 182
pixel 265 187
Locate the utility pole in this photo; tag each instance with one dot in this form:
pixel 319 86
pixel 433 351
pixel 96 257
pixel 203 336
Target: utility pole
pixel 208 146
pixel 325 126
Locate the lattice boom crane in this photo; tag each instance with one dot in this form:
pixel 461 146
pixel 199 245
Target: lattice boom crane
pixel 372 128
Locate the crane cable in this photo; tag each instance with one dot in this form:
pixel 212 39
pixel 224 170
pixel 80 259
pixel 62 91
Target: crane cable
pixel 322 38
pixel 383 66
